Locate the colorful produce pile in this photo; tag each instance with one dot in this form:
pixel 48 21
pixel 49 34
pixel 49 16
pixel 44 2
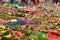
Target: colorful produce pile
pixel 36 25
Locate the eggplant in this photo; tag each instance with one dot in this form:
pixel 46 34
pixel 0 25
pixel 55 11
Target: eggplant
pixel 21 22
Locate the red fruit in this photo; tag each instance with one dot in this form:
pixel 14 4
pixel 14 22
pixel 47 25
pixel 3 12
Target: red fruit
pixel 59 20
pixel 34 26
pixel 21 29
pixel 53 35
pixel 19 35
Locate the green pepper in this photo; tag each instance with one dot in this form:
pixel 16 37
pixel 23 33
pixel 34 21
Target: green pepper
pixel 2 15
pixel 7 37
pixel 23 38
pixel 30 39
pixel 10 14
pixel 57 15
pixel 17 26
pixel 15 38
pixel 20 15
pixel 38 17
pixel 3 38
pixel 56 24
pixel 2 26
pixel 42 36
pixel 35 37
pixel 5 33
pixel 44 24
pixel 28 32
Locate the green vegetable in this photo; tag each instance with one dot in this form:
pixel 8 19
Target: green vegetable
pixel 10 14
pixel 30 39
pixel 23 38
pixel 56 24
pixel 20 15
pixel 57 15
pixel 42 15
pixel 7 37
pixel 17 6
pixel 38 17
pixel 44 24
pixel 5 33
pixel 15 38
pixel 2 15
pixel 35 37
pixel 2 26
pixel 3 38
pixel 17 26
pixel 28 32
pixel 42 36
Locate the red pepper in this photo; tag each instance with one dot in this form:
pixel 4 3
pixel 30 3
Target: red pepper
pixel 19 35
pixel 53 35
pixel 34 26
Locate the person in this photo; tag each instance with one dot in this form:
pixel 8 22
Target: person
pixel 23 3
pixel 41 1
pixel 13 1
pixel 35 1
pixel 58 6
pixel 56 1
pixel 0 0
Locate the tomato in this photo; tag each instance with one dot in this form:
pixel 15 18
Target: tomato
pixel 53 35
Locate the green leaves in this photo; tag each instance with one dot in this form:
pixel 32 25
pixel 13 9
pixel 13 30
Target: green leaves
pixel 2 15
pixel 28 32
pixel 44 24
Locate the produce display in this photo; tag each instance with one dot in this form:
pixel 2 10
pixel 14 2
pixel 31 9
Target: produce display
pixel 40 24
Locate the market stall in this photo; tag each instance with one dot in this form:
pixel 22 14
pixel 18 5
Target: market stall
pixel 40 22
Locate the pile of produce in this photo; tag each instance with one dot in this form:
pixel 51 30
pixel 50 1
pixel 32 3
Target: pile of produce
pixel 28 25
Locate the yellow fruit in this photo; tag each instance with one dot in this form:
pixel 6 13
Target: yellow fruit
pixel 13 20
